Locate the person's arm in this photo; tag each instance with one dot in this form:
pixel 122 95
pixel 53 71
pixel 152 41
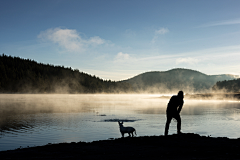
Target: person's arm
pixel 180 107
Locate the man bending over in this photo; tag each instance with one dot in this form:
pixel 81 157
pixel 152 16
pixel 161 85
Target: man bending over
pixel 173 111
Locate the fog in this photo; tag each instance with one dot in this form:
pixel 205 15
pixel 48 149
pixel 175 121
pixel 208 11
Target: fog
pixel 18 104
pixel 12 104
pixel 38 119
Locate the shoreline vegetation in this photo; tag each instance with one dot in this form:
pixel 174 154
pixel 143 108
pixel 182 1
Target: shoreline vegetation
pixel 184 146
pixel 214 96
pixel 193 96
pixel 211 96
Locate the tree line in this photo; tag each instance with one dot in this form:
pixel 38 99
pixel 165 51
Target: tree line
pixel 227 86
pixel 18 75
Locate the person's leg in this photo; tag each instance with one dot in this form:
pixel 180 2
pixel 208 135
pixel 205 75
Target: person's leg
pixel 178 118
pixel 169 118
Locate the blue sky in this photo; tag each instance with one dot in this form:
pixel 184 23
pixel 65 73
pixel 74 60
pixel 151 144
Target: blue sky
pixel 120 39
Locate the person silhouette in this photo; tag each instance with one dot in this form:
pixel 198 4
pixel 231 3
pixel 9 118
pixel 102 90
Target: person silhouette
pixel 174 108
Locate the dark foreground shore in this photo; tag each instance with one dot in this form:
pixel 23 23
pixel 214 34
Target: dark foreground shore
pixel 185 146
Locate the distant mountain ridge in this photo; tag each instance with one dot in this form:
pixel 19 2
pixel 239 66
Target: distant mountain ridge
pixel 19 75
pixel 175 80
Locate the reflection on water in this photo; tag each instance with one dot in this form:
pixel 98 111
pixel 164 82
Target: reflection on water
pixel 28 120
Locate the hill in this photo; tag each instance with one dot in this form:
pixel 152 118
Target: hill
pixel 227 86
pixel 19 75
pixel 175 80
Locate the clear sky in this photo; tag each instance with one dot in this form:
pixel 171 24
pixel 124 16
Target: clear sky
pixel 118 39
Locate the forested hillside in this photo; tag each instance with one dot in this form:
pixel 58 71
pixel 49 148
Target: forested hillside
pixel 227 86
pixel 19 75
pixel 175 80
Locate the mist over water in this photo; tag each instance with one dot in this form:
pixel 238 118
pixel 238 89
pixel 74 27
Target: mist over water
pixel 39 119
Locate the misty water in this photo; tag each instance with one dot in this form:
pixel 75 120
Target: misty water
pixel 34 120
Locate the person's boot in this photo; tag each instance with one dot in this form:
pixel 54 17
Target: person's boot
pixel 166 133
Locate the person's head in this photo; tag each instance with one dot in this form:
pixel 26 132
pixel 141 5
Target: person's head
pixel 180 94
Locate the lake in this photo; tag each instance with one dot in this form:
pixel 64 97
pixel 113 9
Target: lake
pixel 31 119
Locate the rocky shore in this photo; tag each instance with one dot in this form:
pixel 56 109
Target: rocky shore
pixel 184 146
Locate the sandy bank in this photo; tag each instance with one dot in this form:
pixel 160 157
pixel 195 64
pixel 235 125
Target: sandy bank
pixel 186 146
